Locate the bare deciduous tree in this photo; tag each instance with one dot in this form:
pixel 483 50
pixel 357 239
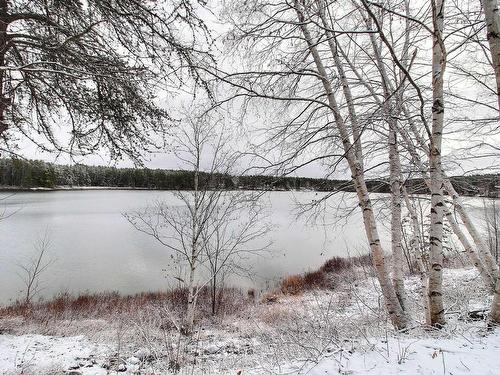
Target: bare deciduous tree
pixel 212 226
pixel 33 270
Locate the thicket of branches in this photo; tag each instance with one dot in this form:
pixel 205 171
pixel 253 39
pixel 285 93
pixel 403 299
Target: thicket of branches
pixel 391 89
pixel 83 76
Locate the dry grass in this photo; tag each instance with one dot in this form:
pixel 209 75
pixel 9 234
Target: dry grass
pixel 326 277
pixel 338 264
pixel 231 302
pixel 292 285
pixel 111 304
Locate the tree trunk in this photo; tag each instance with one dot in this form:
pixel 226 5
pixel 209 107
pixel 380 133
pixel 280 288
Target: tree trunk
pixel 214 294
pixel 492 18
pixel 473 253
pixel 191 301
pixel 457 230
pixel 482 248
pixel 346 89
pixel 495 306
pixel 4 102
pixel 393 306
pixel 396 230
pixel 488 278
pixel 391 108
pixel 435 282
pixel 192 289
pixel 417 248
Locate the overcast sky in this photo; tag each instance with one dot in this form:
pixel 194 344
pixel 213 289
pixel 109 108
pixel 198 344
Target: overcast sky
pixel 456 147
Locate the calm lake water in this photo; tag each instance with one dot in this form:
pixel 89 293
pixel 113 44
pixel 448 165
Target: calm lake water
pixel 94 248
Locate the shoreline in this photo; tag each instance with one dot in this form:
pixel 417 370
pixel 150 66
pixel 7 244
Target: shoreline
pixel 322 329
pixel 19 189
pixel 71 188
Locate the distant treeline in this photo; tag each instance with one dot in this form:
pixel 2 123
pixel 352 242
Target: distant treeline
pixel 26 174
pixel 35 173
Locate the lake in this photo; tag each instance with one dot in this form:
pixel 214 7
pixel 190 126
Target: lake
pixel 94 248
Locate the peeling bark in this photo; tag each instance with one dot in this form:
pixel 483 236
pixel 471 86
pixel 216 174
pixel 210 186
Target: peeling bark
pixel 495 305
pixel 492 19
pixel 393 306
pixel 435 280
pixel 417 249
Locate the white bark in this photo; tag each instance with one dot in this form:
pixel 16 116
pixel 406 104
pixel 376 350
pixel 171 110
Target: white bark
pixel 396 230
pixel 486 263
pixel 435 280
pixel 482 248
pixel 487 278
pixel 393 306
pixel 417 249
pixel 346 89
pixel 492 18
pixel 391 108
pixel 415 241
pixel 457 230
pixel 495 305
pixel 191 301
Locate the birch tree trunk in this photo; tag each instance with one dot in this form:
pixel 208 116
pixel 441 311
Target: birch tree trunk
pixel 489 279
pixel 391 108
pixel 495 306
pixel 4 101
pixel 492 18
pixel 471 252
pixel 482 251
pixel 346 89
pixel 435 281
pixel 475 256
pixel 482 248
pixel 415 242
pixel 396 230
pixel 481 257
pixel 393 306
pixel 417 249
pixel 191 301
pixel 195 232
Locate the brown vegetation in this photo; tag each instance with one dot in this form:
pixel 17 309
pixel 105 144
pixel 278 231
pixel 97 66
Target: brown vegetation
pixel 102 305
pixel 325 276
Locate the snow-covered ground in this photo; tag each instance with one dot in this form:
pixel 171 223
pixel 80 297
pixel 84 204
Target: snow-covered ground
pixel 339 331
pixel 464 354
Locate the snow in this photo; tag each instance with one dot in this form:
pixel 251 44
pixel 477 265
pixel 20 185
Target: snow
pixel 339 331
pixel 461 355
pixel 38 354
pixel 474 354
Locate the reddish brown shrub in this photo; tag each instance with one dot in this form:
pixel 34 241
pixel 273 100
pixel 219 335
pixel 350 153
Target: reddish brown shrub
pixel 315 279
pixel 292 285
pixel 336 264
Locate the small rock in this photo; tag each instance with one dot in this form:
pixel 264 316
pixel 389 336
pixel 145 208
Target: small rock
pixel 133 360
pixel 142 354
pixel 212 349
pixel 122 367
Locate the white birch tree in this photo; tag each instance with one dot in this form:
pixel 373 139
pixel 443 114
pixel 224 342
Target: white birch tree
pixel 211 226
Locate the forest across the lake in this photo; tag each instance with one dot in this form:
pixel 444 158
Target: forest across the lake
pixel 29 174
